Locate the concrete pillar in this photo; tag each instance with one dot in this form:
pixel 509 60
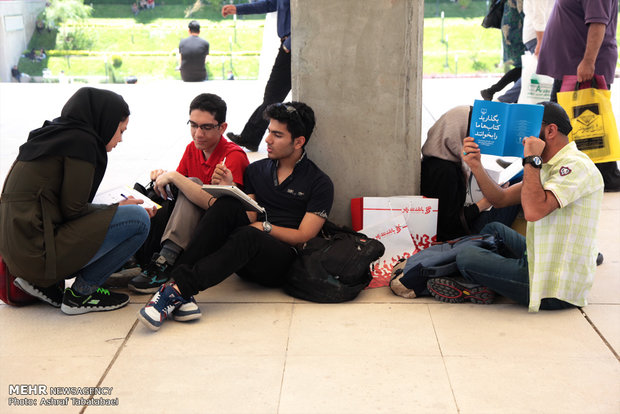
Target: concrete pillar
pixel 358 64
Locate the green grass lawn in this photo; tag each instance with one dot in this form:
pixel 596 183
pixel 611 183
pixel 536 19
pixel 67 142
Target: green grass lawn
pixel 165 34
pixel 171 11
pixel 159 67
pixel 470 47
pixel 476 9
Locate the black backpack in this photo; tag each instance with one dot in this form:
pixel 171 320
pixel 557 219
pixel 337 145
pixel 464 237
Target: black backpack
pixel 494 16
pixel 410 275
pixel 333 267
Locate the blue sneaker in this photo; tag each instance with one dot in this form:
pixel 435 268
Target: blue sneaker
pixel 162 304
pixel 187 312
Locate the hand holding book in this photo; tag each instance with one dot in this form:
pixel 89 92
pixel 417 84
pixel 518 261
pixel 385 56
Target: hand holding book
pixel 151 210
pixel 499 128
pixel 232 191
pixel 126 195
pixel 471 153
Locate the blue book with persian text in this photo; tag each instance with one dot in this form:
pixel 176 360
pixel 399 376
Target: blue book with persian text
pixel 499 128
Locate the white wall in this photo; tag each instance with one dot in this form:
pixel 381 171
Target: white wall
pixel 17 23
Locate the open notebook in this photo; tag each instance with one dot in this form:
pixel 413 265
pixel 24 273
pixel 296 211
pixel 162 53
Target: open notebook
pixel 232 191
pixel 117 194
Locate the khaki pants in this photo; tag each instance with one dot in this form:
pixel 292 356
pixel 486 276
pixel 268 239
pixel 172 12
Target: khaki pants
pixel 183 220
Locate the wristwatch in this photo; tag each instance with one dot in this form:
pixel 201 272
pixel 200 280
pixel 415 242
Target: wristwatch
pixel 266 226
pixel 534 160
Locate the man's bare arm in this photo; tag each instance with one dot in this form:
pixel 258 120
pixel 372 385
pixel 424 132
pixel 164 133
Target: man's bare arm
pixel 309 227
pixel 596 34
pixel 536 201
pixel 189 188
pixel 496 195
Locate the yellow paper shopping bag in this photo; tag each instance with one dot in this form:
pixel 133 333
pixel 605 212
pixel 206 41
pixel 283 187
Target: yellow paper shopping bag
pixel 594 126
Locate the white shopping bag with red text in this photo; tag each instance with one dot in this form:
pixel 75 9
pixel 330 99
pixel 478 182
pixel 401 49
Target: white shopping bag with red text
pixel 394 235
pixel 420 215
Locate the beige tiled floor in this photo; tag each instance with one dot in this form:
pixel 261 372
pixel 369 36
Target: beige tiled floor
pixel 258 350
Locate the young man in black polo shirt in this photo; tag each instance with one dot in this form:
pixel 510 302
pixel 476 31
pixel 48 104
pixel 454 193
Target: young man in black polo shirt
pixel 297 196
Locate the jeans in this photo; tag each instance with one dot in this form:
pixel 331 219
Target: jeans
pixel 224 244
pixel 278 86
pixel 126 233
pixel 507 275
pixel 504 215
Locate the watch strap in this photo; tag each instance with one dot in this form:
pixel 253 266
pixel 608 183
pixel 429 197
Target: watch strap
pixel 530 160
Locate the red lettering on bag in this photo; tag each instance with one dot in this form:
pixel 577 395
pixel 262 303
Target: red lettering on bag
pixel 422 241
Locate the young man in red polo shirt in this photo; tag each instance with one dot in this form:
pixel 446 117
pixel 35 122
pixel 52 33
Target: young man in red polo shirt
pixel 203 162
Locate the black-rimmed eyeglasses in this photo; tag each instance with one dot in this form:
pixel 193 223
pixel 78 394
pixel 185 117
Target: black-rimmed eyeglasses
pixel 203 127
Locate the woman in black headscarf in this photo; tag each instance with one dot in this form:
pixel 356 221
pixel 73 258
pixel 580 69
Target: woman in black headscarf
pixel 49 229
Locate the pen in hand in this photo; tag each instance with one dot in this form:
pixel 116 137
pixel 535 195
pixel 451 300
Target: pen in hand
pixel 124 196
pixel 221 168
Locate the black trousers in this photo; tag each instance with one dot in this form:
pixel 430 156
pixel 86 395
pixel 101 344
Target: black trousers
pixel 152 244
pixel 278 86
pixel 223 244
pixel 512 75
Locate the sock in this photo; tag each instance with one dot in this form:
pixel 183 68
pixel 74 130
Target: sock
pixel 170 250
pixel 82 287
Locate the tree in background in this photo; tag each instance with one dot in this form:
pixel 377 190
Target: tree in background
pixel 60 11
pixel 72 35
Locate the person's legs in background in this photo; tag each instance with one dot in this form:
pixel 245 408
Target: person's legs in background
pixel 278 86
pixel 611 175
pixel 557 85
pixel 126 233
pixel 512 94
pixel 511 76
